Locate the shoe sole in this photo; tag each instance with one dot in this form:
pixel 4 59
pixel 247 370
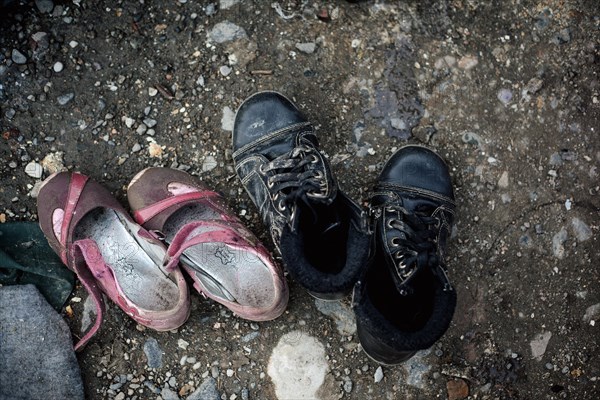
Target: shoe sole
pixel 380 352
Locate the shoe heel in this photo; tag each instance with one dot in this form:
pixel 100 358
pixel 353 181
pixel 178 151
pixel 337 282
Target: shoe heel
pixel 378 351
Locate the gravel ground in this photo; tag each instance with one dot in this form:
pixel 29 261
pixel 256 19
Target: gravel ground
pixel 507 92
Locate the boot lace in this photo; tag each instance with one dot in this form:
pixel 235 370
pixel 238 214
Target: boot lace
pixel 294 176
pixel 415 248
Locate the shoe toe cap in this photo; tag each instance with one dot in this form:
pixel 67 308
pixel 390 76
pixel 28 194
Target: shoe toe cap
pixel 261 114
pixel 419 168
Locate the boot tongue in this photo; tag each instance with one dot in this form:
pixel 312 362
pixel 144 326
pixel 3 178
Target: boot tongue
pixel 277 146
pixel 320 212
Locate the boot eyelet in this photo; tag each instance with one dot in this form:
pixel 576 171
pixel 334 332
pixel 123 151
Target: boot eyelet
pixel 270 184
pixel 281 206
pixel 394 242
pixel 390 223
pixel 314 159
pixel 261 169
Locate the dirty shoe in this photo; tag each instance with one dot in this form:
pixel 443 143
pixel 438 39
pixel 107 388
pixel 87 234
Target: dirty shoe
pixel 318 230
pixel 226 262
pixel 405 302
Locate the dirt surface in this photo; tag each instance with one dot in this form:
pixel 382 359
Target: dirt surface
pixel 506 91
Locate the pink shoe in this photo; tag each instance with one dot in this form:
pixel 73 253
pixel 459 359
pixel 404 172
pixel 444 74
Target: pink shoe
pixel 225 260
pixel 95 237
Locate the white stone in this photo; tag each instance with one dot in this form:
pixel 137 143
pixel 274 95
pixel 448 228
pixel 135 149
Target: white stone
pixel 58 66
pixel 225 4
pixel 225 70
pixel 298 366
pixel 581 230
pixel 378 374
pixel 592 312
pixel 152 92
pixel 225 32
pixel 209 163
pixel 307 48
pixel 227 119
pixel 53 162
pixel 503 181
pixel 129 122
pixel 34 170
pixel 539 345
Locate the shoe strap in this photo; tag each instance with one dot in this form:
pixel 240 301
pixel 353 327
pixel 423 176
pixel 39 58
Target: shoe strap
pixel 145 214
pixel 76 187
pixel 224 233
pixel 82 254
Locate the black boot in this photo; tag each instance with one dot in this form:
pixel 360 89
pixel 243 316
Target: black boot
pixel 404 302
pixel 320 233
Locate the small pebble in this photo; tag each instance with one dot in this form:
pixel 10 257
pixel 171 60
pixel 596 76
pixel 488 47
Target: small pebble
pixel 153 353
pixel 149 122
pixel 168 394
pixel 58 66
pixel 18 57
pixel 34 170
pixel 307 48
pixel 378 374
pixel 152 91
pixel 468 62
pixel 141 129
pixel 227 119
pixel 65 98
pixel 45 6
pixel 226 4
pixel 505 96
pixel 225 32
pixel 210 9
pixel 225 70
pixel 581 230
pixel 129 122
pixel 348 386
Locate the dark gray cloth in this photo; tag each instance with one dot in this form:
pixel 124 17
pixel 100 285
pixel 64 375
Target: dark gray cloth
pixel 37 360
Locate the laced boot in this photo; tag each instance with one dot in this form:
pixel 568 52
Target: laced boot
pixel 405 302
pixel 320 233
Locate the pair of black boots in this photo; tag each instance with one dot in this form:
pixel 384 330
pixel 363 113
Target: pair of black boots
pixel 392 254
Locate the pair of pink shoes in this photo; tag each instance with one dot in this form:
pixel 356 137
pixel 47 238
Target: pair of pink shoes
pixel 137 267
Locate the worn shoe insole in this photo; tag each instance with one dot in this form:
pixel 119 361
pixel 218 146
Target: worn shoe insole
pixel 136 263
pixel 225 271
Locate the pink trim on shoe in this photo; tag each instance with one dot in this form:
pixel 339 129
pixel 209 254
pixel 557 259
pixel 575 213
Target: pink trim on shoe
pixel 158 190
pixel 76 196
pixel 147 213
